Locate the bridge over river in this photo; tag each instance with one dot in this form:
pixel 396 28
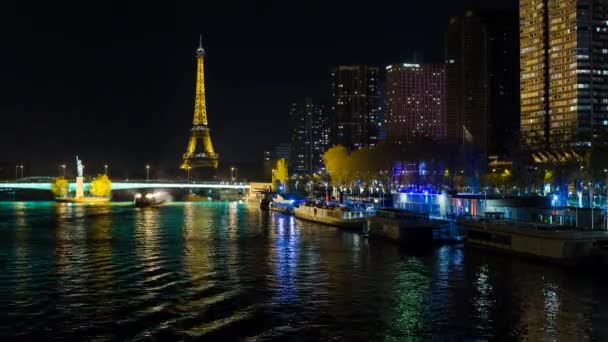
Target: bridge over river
pixel 132 185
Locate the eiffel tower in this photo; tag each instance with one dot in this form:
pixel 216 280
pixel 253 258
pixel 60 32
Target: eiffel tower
pixel 199 153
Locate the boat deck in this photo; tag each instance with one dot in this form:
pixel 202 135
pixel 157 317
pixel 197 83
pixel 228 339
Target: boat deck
pixel 536 230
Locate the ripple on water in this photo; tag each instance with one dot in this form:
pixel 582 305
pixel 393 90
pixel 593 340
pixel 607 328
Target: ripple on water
pixel 225 271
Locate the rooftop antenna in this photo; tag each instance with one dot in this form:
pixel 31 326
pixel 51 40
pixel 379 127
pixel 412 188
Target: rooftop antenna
pixel 200 49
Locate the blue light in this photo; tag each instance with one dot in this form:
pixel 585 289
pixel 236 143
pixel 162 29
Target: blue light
pixel 554 200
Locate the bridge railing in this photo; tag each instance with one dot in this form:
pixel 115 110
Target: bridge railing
pixel 134 184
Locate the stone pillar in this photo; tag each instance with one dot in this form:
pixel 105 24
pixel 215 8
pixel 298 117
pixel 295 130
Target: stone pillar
pixel 79 187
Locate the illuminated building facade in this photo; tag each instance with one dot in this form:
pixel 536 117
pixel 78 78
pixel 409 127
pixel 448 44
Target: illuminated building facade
pixel 199 153
pixel 564 73
pixel 356 106
pixel 310 136
pixel 482 61
pixel 416 101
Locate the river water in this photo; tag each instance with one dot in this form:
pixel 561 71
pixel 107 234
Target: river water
pixel 225 270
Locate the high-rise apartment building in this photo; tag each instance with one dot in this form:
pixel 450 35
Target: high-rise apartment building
pixel 355 106
pixel 310 136
pixel 481 55
pixel 416 101
pixel 503 72
pixel 467 77
pixel 281 151
pixel 564 73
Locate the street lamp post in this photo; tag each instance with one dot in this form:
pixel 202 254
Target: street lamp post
pixel 485 200
pixel 189 167
pixel 591 203
pixel 606 215
pixel 21 167
pixel 16 171
pixel 147 172
pixel 234 173
pixel 105 168
pixel 62 170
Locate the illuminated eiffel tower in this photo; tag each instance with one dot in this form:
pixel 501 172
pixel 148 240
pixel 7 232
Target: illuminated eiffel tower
pixel 200 153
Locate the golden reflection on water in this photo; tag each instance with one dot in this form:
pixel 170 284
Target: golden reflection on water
pixel 232 220
pixel 22 253
pixel 100 245
pixel 147 234
pixel 197 257
pixel 61 235
pixel 72 256
pixel 232 243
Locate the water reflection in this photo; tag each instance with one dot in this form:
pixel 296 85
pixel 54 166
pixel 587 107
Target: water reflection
pixel 412 284
pixel 483 301
pixel 285 258
pixel 101 277
pixel 197 252
pixel 552 307
pixel 225 270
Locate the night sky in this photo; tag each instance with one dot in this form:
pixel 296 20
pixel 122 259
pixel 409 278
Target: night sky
pixel 114 83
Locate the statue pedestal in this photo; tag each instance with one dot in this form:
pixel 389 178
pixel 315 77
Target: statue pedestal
pixel 79 187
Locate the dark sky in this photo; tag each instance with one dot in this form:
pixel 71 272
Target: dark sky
pixel 114 82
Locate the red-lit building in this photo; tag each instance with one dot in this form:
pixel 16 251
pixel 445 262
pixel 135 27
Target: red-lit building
pixel 416 101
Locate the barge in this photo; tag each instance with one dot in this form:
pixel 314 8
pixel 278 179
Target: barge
pixel 558 244
pixel 285 203
pixel 404 226
pixel 333 215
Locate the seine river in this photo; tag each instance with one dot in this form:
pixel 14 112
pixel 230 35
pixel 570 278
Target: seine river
pixel 229 271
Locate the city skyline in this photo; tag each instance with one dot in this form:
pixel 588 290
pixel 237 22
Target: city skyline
pixel 122 94
pixel 347 170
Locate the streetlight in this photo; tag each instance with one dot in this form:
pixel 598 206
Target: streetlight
pixel 147 172
pixel 606 215
pixel 591 203
pixel 62 170
pixel 189 167
pixel 234 173
pixel 485 200
pixel 21 168
pixel 105 167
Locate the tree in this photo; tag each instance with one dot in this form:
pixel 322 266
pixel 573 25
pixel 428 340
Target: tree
pixel 337 163
pixel 59 187
pixel 280 174
pixel 101 186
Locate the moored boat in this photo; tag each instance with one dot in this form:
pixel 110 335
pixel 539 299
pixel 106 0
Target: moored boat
pixel 285 203
pixel 559 244
pixel 332 214
pixel 403 226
